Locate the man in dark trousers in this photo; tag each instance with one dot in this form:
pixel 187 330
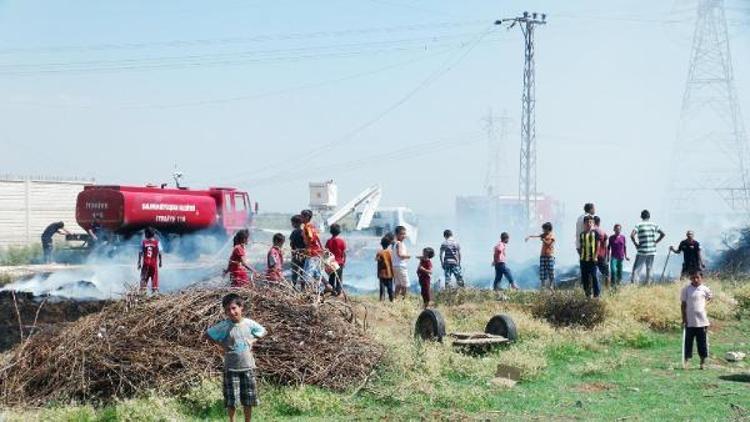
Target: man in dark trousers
pixel 297 244
pixel 51 230
pixel 691 255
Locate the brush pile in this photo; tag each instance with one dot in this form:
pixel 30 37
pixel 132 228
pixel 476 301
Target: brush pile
pixel 156 344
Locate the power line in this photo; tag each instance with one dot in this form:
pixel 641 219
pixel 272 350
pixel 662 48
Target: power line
pixel 236 58
pixel 446 66
pixel 243 40
pixel 406 153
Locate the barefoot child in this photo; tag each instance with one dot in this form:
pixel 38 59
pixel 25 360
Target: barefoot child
pixel 694 297
pixel 424 273
pixel 236 336
pixel 546 256
pixel 147 261
pixel 385 268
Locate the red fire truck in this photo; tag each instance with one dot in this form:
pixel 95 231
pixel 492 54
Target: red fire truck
pixel 126 210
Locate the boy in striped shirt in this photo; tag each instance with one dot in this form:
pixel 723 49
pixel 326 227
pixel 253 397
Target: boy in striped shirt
pixel 645 239
pixel 587 251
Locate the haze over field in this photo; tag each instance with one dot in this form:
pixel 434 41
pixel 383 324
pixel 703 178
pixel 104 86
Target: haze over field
pixel 269 96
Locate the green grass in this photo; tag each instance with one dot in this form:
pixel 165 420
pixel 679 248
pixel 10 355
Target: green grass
pixel 617 370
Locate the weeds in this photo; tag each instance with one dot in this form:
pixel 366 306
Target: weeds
pixel 20 255
pixel 742 296
pixel 569 309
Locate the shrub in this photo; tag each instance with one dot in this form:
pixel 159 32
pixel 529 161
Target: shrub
pixel 20 255
pixel 742 296
pixel 567 309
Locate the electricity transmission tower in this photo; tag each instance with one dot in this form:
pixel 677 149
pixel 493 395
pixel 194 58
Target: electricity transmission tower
pixel 527 186
pixel 497 133
pixel 711 149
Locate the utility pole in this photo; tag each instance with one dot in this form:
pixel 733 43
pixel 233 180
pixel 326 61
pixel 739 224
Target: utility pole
pixel 527 186
pixel 711 151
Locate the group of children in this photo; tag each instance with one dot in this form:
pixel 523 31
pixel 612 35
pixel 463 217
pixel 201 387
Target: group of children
pixel 392 265
pixel 307 257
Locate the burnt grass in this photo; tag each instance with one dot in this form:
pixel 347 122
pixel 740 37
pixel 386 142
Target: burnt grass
pixel 51 313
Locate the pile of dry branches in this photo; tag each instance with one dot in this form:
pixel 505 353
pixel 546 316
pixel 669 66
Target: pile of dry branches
pixel 157 343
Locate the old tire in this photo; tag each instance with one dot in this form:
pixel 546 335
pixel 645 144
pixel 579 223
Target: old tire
pixel 430 326
pixel 502 325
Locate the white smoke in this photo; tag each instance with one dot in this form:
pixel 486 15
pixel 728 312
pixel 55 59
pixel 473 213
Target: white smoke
pixel 110 273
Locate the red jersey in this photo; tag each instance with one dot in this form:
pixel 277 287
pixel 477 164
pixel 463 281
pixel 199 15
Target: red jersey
pixel 312 239
pixel 337 246
pixel 150 252
pixel 422 275
pixel 275 262
pixel 237 271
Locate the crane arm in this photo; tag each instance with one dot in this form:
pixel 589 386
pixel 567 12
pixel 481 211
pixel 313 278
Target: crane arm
pixel 367 197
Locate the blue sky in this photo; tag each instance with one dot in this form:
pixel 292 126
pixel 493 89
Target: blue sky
pixel 268 96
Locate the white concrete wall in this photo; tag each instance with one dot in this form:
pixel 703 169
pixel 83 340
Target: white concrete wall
pixel 28 205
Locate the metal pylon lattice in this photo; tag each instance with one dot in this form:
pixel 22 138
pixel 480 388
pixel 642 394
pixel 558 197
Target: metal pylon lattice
pixel 711 151
pixel 497 133
pixel 527 180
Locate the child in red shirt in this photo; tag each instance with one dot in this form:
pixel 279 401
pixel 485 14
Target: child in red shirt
pixel 238 267
pixel 424 273
pixel 147 261
pixel 275 259
pixel 337 246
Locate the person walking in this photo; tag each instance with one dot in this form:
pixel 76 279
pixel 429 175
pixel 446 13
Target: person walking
pixel 501 267
pixel 691 255
pixel 589 241
pixel 645 236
